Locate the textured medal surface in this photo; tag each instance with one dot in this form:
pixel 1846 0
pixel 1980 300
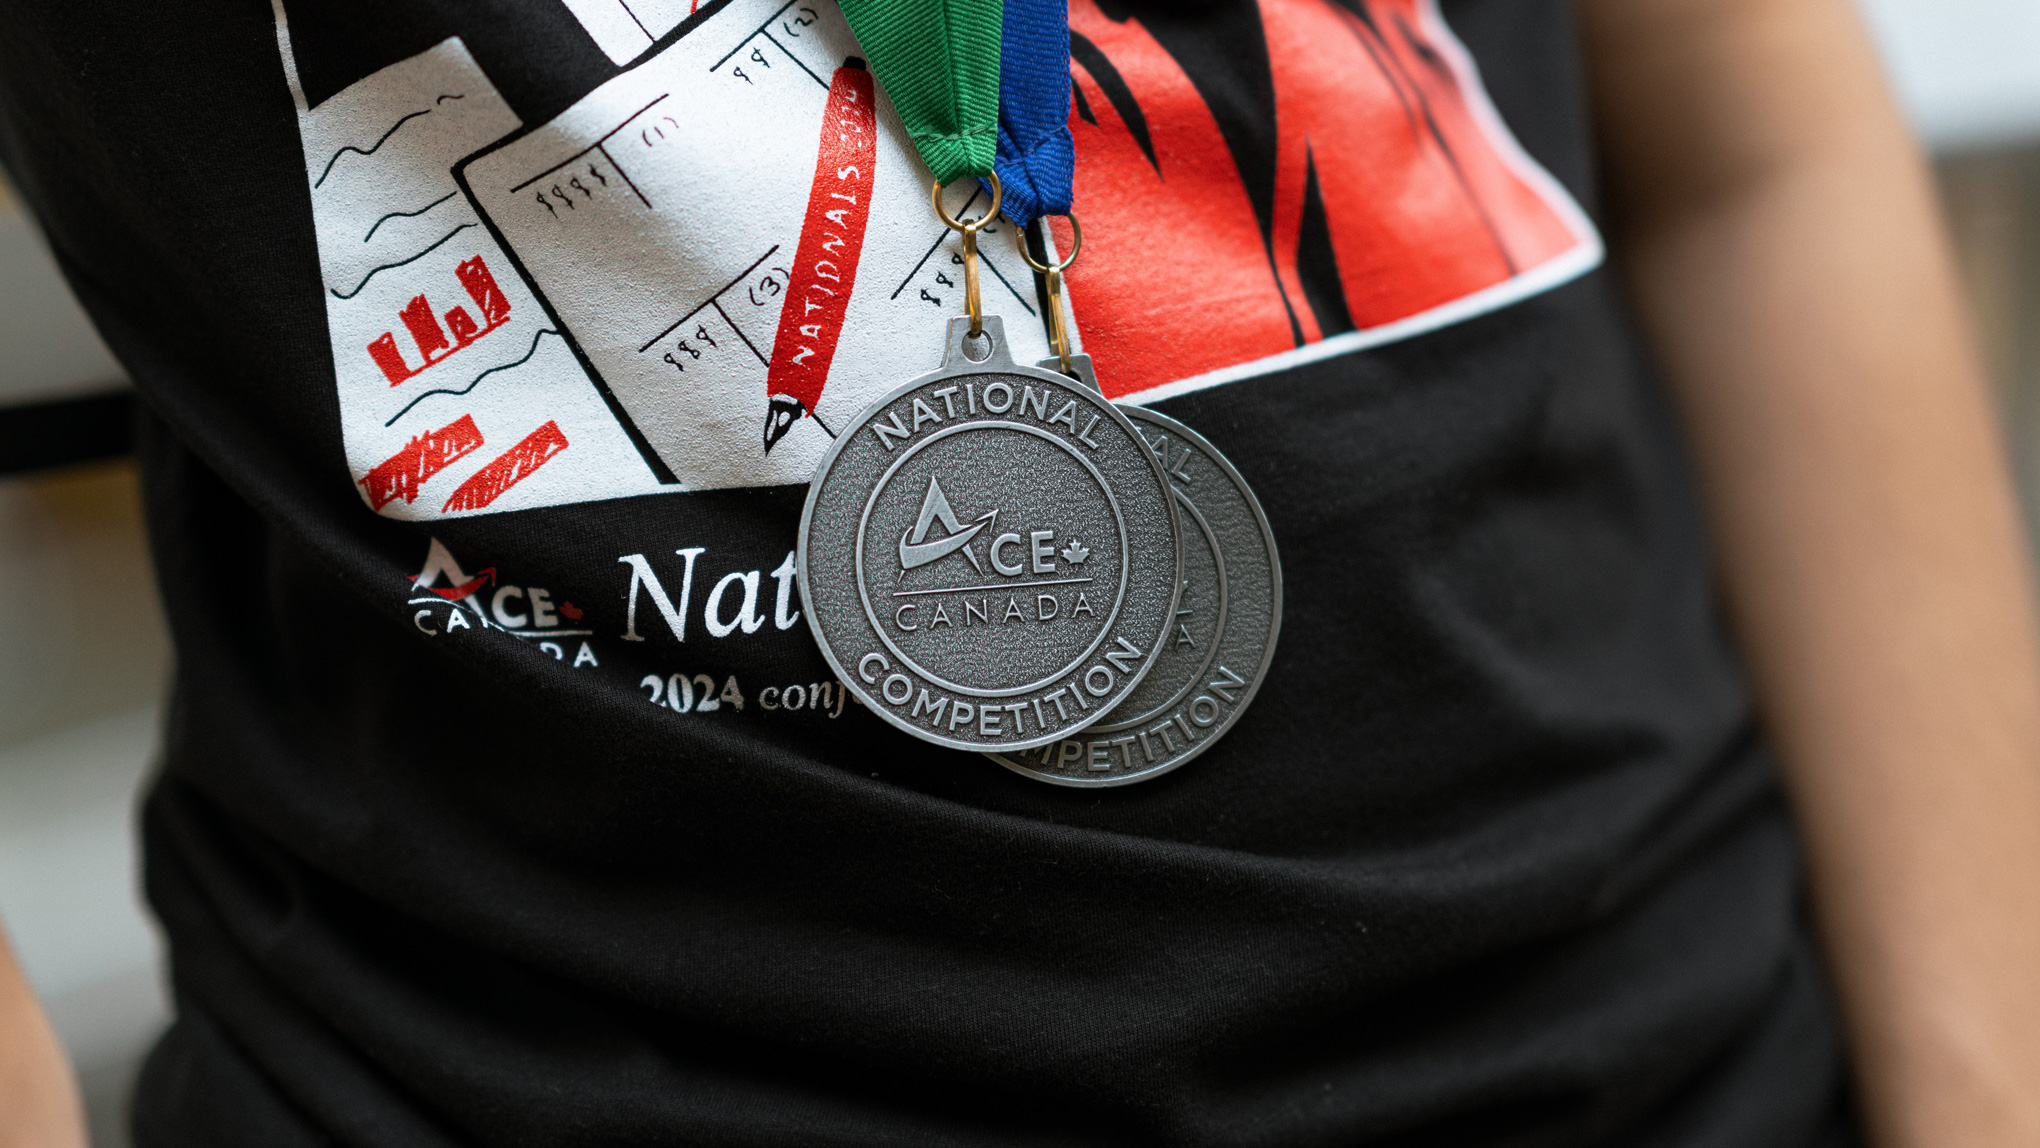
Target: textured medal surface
pixel 1217 650
pixel 989 554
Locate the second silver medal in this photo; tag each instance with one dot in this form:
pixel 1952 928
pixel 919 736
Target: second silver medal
pixel 1219 646
pixel 989 554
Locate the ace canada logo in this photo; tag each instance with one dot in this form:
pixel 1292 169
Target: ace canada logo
pixel 446 599
pixel 1009 554
pixel 915 551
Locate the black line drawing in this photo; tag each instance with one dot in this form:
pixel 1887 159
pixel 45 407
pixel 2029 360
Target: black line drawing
pixel 337 294
pixel 633 19
pixel 1001 275
pixel 711 302
pixel 717 304
pixel 940 236
pixel 407 214
pixel 445 97
pixel 975 191
pixel 477 379
pixel 662 473
pixel 645 134
pixel 760 30
pixel 372 148
pixel 754 32
pixel 983 256
pixel 797 60
pixel 601 145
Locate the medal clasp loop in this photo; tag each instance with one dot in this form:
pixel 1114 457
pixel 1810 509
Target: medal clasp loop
pixel 1058 329
pixel 972 302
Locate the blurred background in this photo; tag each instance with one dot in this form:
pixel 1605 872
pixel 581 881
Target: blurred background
pixel 84 662
pixel 84 658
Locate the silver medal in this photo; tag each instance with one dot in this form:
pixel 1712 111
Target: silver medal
pixel 1218 648
pixel 989 554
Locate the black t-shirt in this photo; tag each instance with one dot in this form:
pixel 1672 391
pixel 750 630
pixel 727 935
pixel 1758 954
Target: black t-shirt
pixel 507 799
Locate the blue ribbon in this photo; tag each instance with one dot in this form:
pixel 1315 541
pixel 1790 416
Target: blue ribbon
pixel 1037 161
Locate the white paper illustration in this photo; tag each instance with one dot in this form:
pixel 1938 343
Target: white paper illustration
pixel 737 234
pixel 623 29
pixel 458 395
pixel 697 273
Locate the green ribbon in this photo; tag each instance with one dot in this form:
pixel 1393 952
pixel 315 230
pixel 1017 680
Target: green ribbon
pixel 939 62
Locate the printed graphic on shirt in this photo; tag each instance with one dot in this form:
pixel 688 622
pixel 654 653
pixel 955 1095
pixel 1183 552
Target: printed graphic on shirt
pixel 446 599
pixel 672 605
pixel 737 234
pixel 458 394
pixel 623 29
pixel 690 276
pixel 1332 170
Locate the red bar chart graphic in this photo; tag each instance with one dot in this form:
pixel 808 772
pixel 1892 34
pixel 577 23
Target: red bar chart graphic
pixel 432 340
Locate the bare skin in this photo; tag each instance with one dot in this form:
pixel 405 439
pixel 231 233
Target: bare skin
pixel 39 1105
pixel 1777 229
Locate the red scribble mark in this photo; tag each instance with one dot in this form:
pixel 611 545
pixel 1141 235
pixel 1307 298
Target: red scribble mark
pixel 402 474
pixel 425 331
pixel 457 593
pixel 431 339
pixel 508 469
pixel 831 240
pixel 571 611
pixel 481 287
pixel 384 352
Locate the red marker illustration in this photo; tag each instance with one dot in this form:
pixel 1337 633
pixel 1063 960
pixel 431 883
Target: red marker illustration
pixel 825 263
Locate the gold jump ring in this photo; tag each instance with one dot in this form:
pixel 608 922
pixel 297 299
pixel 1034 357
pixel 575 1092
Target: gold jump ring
pixel 1076 245
pixel 974 225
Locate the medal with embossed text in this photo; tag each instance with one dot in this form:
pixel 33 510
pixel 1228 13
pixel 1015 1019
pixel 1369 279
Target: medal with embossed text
pixel 1217 651
pixel 989 554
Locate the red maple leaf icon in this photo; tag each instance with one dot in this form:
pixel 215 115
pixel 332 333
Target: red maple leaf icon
pixel 572 611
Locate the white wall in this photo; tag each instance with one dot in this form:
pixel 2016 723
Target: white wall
pixel 1968 71
pixel 82 675
pixel 47 347
pixel 83 668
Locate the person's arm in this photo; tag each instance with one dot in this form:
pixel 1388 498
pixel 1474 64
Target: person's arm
pixel 1776 227
pixel 39 1105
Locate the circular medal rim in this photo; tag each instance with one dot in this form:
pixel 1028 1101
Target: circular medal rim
pixel 957 368
pixel 1118 519
pixel 1260 674
pixel 1183 503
